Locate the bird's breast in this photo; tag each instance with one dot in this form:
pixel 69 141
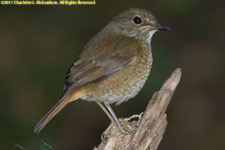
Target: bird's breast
pixel 124 84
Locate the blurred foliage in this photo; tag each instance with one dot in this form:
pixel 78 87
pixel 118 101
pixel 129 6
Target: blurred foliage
pixel 39 43
pixel 45 146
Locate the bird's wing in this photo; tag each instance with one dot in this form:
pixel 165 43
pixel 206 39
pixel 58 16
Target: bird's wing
pixel 99 61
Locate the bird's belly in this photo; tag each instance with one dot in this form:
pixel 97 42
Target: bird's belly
pixel 123 84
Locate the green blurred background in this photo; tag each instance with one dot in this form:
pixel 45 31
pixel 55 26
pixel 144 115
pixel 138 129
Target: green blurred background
pixel 39 43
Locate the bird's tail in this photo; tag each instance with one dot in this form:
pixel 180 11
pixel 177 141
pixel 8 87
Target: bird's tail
pixel 57 108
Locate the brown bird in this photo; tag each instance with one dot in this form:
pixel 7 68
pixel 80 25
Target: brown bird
pixel 113 66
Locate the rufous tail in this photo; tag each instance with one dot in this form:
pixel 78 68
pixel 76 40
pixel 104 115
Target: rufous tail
pixel 56 109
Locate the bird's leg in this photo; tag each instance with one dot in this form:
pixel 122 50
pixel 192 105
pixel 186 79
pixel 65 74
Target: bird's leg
pixel 110 117
pixel 112 114
pixel 106 111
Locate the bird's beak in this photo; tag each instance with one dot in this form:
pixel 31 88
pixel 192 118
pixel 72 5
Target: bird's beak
pixel 161 27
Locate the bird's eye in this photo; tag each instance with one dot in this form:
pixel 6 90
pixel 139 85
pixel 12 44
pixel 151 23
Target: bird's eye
pixel 137 20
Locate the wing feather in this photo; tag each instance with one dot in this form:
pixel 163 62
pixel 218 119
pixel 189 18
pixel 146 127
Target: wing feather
pixel 99 61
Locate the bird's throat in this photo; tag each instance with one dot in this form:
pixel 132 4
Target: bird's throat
pixel 150 35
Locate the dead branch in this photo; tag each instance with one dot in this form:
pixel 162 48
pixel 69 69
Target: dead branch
pixel 151 125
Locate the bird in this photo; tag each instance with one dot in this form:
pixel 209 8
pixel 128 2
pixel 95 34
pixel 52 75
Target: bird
pixel 112 67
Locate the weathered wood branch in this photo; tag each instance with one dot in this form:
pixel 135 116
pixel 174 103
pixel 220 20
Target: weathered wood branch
pixel 151 125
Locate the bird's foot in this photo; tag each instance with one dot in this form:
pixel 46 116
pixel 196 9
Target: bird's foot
pixel 131 123
pixel 105 134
